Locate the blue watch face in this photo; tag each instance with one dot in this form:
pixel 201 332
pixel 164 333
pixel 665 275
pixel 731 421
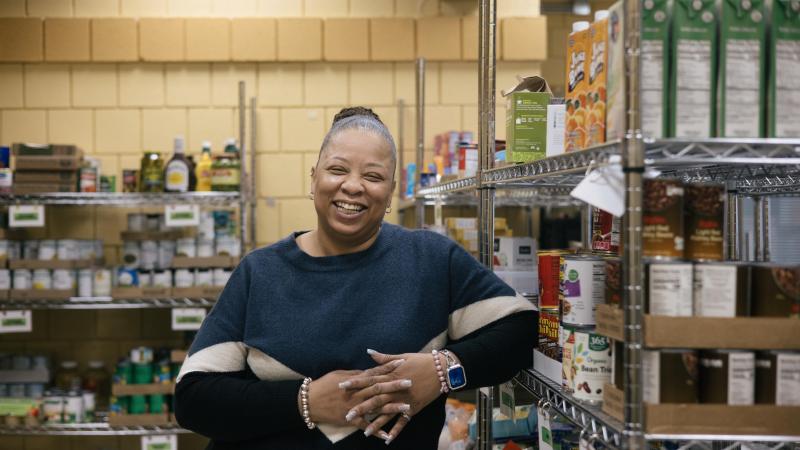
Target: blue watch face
pixel 456 377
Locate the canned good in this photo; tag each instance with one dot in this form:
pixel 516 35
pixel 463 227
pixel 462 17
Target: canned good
pixel 116 406
pixel 662 219
pixel 669 289
pixel 229 246
pixel 205 247
pixel 136 222
pixel 205 229
pixel 186 247
pixel 101 285
pixel 162 278
pixel 64 279
pixel 67 249
pixel 549 267
pixel 87 250
pixel 776 290
pixel 88 406
pixel 22 279
pixel 34 390
pixel 549 333
pixel 16 390
pixel 131 254
pixel 203 277
pixel 157 403
pixel 42 279
pixel 582 283
pixel 127 277
pixel 5 279
pixel 98 248
pixel 722 289
pixel 21 362
pixel 592 359
pixel 53 406
pixel 184 278
pixel 704 220
pixel 166 251
pixel 605 231
pixel 566 337
pixel 163 372
pixel 145 278
pixel 148 258
pixel 48 250
pixel 14 250
pixel 4 249
pixel 85 282
pixel 30 250
pixel 142 355
pixel 778 378
pixel 727 376
pixel 151 222
pixel 224 223
pixel 221 277
pixel 670 376
pixel 123 373
pixel 613 292
pixel 142 373
pixel 40 362
pixel 73 407
pixel 130 181
pixel 137 405
pixel 162 223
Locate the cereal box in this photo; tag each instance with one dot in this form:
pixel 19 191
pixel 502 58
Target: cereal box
pixel 615 76
pixel 784 63
pixel 598 68
pixel 577 86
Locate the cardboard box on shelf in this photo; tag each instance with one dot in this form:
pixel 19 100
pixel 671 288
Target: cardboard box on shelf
pixel 154 235
pixel 64 177
pixel 47 162
pixel 117 420
pixel 39 188
pixel 4 293
pixel 598 74
pixel 140 292
pixel 41 294
pixel 207 292
pixel 515 253
pixel 556 127
pixel 784 65
pixel 29 149
pixel 656 17
pixel 742 64
pixel 615 81
pixel 577 85
pixel 119 389
pixel 184 262
pixel 34 264
pixel 526 120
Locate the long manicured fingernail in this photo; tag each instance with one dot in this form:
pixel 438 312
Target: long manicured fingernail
pixel 384 435
pixel 389 440
pixel 368 432
pixel 405 407
pixel 350 415
pixel 405 383
pixel 371 351
pixel 345 384
pixel 398 362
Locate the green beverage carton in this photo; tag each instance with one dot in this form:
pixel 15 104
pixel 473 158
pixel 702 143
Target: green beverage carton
pixel 655 62
pixel 742 64
pixel 526 120
pixel 693 69
pixel 784 68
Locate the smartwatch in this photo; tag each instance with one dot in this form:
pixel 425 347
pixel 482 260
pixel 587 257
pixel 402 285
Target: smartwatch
pixel 456 376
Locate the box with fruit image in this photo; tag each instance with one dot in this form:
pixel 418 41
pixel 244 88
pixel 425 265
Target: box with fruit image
pixel 784 67
pixel 598 73
pixel 615 73
pixel 577 86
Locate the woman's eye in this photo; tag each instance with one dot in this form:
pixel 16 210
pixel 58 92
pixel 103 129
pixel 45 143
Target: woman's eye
pixel 337 170
pixel 373 177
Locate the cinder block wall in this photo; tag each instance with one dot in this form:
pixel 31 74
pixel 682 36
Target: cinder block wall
pixel 121 76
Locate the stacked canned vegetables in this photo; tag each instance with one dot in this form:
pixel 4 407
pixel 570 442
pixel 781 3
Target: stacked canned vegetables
pixel 143 366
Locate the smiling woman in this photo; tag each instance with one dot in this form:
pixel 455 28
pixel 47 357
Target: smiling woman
pixel 285 359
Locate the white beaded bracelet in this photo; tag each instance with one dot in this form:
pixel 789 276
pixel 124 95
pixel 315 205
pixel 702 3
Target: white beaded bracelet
pixel 304 403
pixel 440 372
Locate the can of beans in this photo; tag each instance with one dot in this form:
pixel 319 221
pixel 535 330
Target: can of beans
pixel 549 333
pixel 205 247
pixel 68 249
pixel 221 277
pixel 23 279
pixel 669 288
pixel 705 215
pixel 670 376
pixel 662 219
pixel 592 359
pixel 137 404
pixel 613 292
pixel 228 246
pixel 48 250
pixel 157 403
pixel 145 278
pixel 64 279
pixel 5 279
pixel 778 378
pixel 186 247
pixel 582 288
pixel 722 289
pixel 727 377
pixel 42 279
pixel 184 278
pixel 203 277
pixel 162 278
pixel 549 279
pixel 775 290
pixel 606 230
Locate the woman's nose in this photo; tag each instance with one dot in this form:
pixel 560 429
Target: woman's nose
pixel 352 185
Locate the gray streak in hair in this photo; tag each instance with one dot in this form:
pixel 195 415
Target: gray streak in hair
pixel 361 123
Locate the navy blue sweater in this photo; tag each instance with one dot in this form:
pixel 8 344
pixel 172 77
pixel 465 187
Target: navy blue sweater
pixel 285 315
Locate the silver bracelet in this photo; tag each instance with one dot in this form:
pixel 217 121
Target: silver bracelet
pixel 304 403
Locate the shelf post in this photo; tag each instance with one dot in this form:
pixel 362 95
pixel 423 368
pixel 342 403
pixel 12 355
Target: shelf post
pixel 765 226
pixel 486 104
pixel 758 232
pixel 252 197
pixel 633 298
pixel 420 156
pixel 243 187
pixel 731 224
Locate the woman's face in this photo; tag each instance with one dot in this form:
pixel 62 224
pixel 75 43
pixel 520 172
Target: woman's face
pixel 352 186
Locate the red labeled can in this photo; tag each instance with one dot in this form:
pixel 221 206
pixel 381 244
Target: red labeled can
pixel 549 343
pixel 605 231
pixel 549 281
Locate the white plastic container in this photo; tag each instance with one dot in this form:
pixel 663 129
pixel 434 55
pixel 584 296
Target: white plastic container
pixel 86 249
pixel 136 222
pixel 205 247
pixel 203 277
pixel 184 278
pixel 186 247
pixel 166 251
pixel 47 250
pixel 23 279
pixel 5 279
pixel 148 258
pixel 85 282
pixel 64 279
pixel 30 250
pixel 221 276
pixel 162 278
pixel 131 254
pixel 101 287
pixel 67 249
pixel 42 279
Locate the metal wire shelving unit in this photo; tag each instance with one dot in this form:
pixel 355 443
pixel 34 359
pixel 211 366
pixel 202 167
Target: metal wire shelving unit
pixel 108 303
pixel 91 429
pixel 126 199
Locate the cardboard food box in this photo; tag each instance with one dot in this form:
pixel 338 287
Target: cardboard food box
pixel 556 127
pixel 117 420
pixel 26 149
pixel 693 78
pixel 39 188
pixel 655 62
pixel 742 64
pixel 120 389
pixel 598 73
pixel 41 294
pixel 207 292
pixel 518 253
pixel 47 162
pixel 577 86
pixel 526 120
pixel 56 177
pixel 784 67
pixel 616 126
pixel 210 262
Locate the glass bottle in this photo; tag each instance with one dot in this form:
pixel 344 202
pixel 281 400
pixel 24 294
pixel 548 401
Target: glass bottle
pixel 226 169
pixel 176 174
pixel 203 170
pixel 151 174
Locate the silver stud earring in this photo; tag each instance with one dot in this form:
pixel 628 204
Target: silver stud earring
pixel 389 209
pixel 311 196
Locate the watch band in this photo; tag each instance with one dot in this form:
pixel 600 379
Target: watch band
pixel 456 376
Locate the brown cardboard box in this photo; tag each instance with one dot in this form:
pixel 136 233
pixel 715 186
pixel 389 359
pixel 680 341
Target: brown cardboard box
pixel 28 149
pixel 41 294
pixel 142 389
pixel 300 39
pixel 151 235
pixel 56 177
pixel 254 39
pixel 4 295
pixel 177 356
pixel 34 264
pixel 21 39
pixel 66 40
pixel 114 40
pixel 140 292
pixel 208 40
pixel 439 38
pixel 207 292
pixel 47 163
pixel 346 40
pixel 41 188
pixel 116 420
pixel 184 262
pixel 524 39
pixel 391 40
pixel 161 39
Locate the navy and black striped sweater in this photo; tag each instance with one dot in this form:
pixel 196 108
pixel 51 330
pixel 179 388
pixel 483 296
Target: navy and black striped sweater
pixel 285 315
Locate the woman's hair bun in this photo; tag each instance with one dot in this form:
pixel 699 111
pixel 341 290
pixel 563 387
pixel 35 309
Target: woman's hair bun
pixel 355 111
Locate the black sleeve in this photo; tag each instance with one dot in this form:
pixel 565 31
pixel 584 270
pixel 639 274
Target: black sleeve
pixel 496 352
pixel 236 406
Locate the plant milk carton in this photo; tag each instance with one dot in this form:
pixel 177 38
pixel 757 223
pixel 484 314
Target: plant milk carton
pixel 615 76
pixel 526 120
pixel 598 69
pixel 742 63
pixel 693 71
pixel 577 86
pixel 784 72
pixel 655 58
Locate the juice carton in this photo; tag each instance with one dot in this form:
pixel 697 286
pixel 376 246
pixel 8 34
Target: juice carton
pixel 577 86
pixel 615 81
pixel 655 64
pixel 742 84
pixel 784 63
pixel 693 69
pixel 598 70
pixel 526 120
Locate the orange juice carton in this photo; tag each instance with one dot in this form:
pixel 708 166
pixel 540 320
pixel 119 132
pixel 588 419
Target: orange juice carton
pixel 598 72
pixel 577 86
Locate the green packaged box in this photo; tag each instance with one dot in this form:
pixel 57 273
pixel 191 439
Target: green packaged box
pixel 693 69
pixel 526 120
pixel 655 67
pixel 784 71
pixel 742 63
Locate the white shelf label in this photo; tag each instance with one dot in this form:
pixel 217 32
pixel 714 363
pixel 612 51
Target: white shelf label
pixel 545 432
pixel 187 318
pixel 182 215
pixel 20 216
pixel 169 442
pixel 16 321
